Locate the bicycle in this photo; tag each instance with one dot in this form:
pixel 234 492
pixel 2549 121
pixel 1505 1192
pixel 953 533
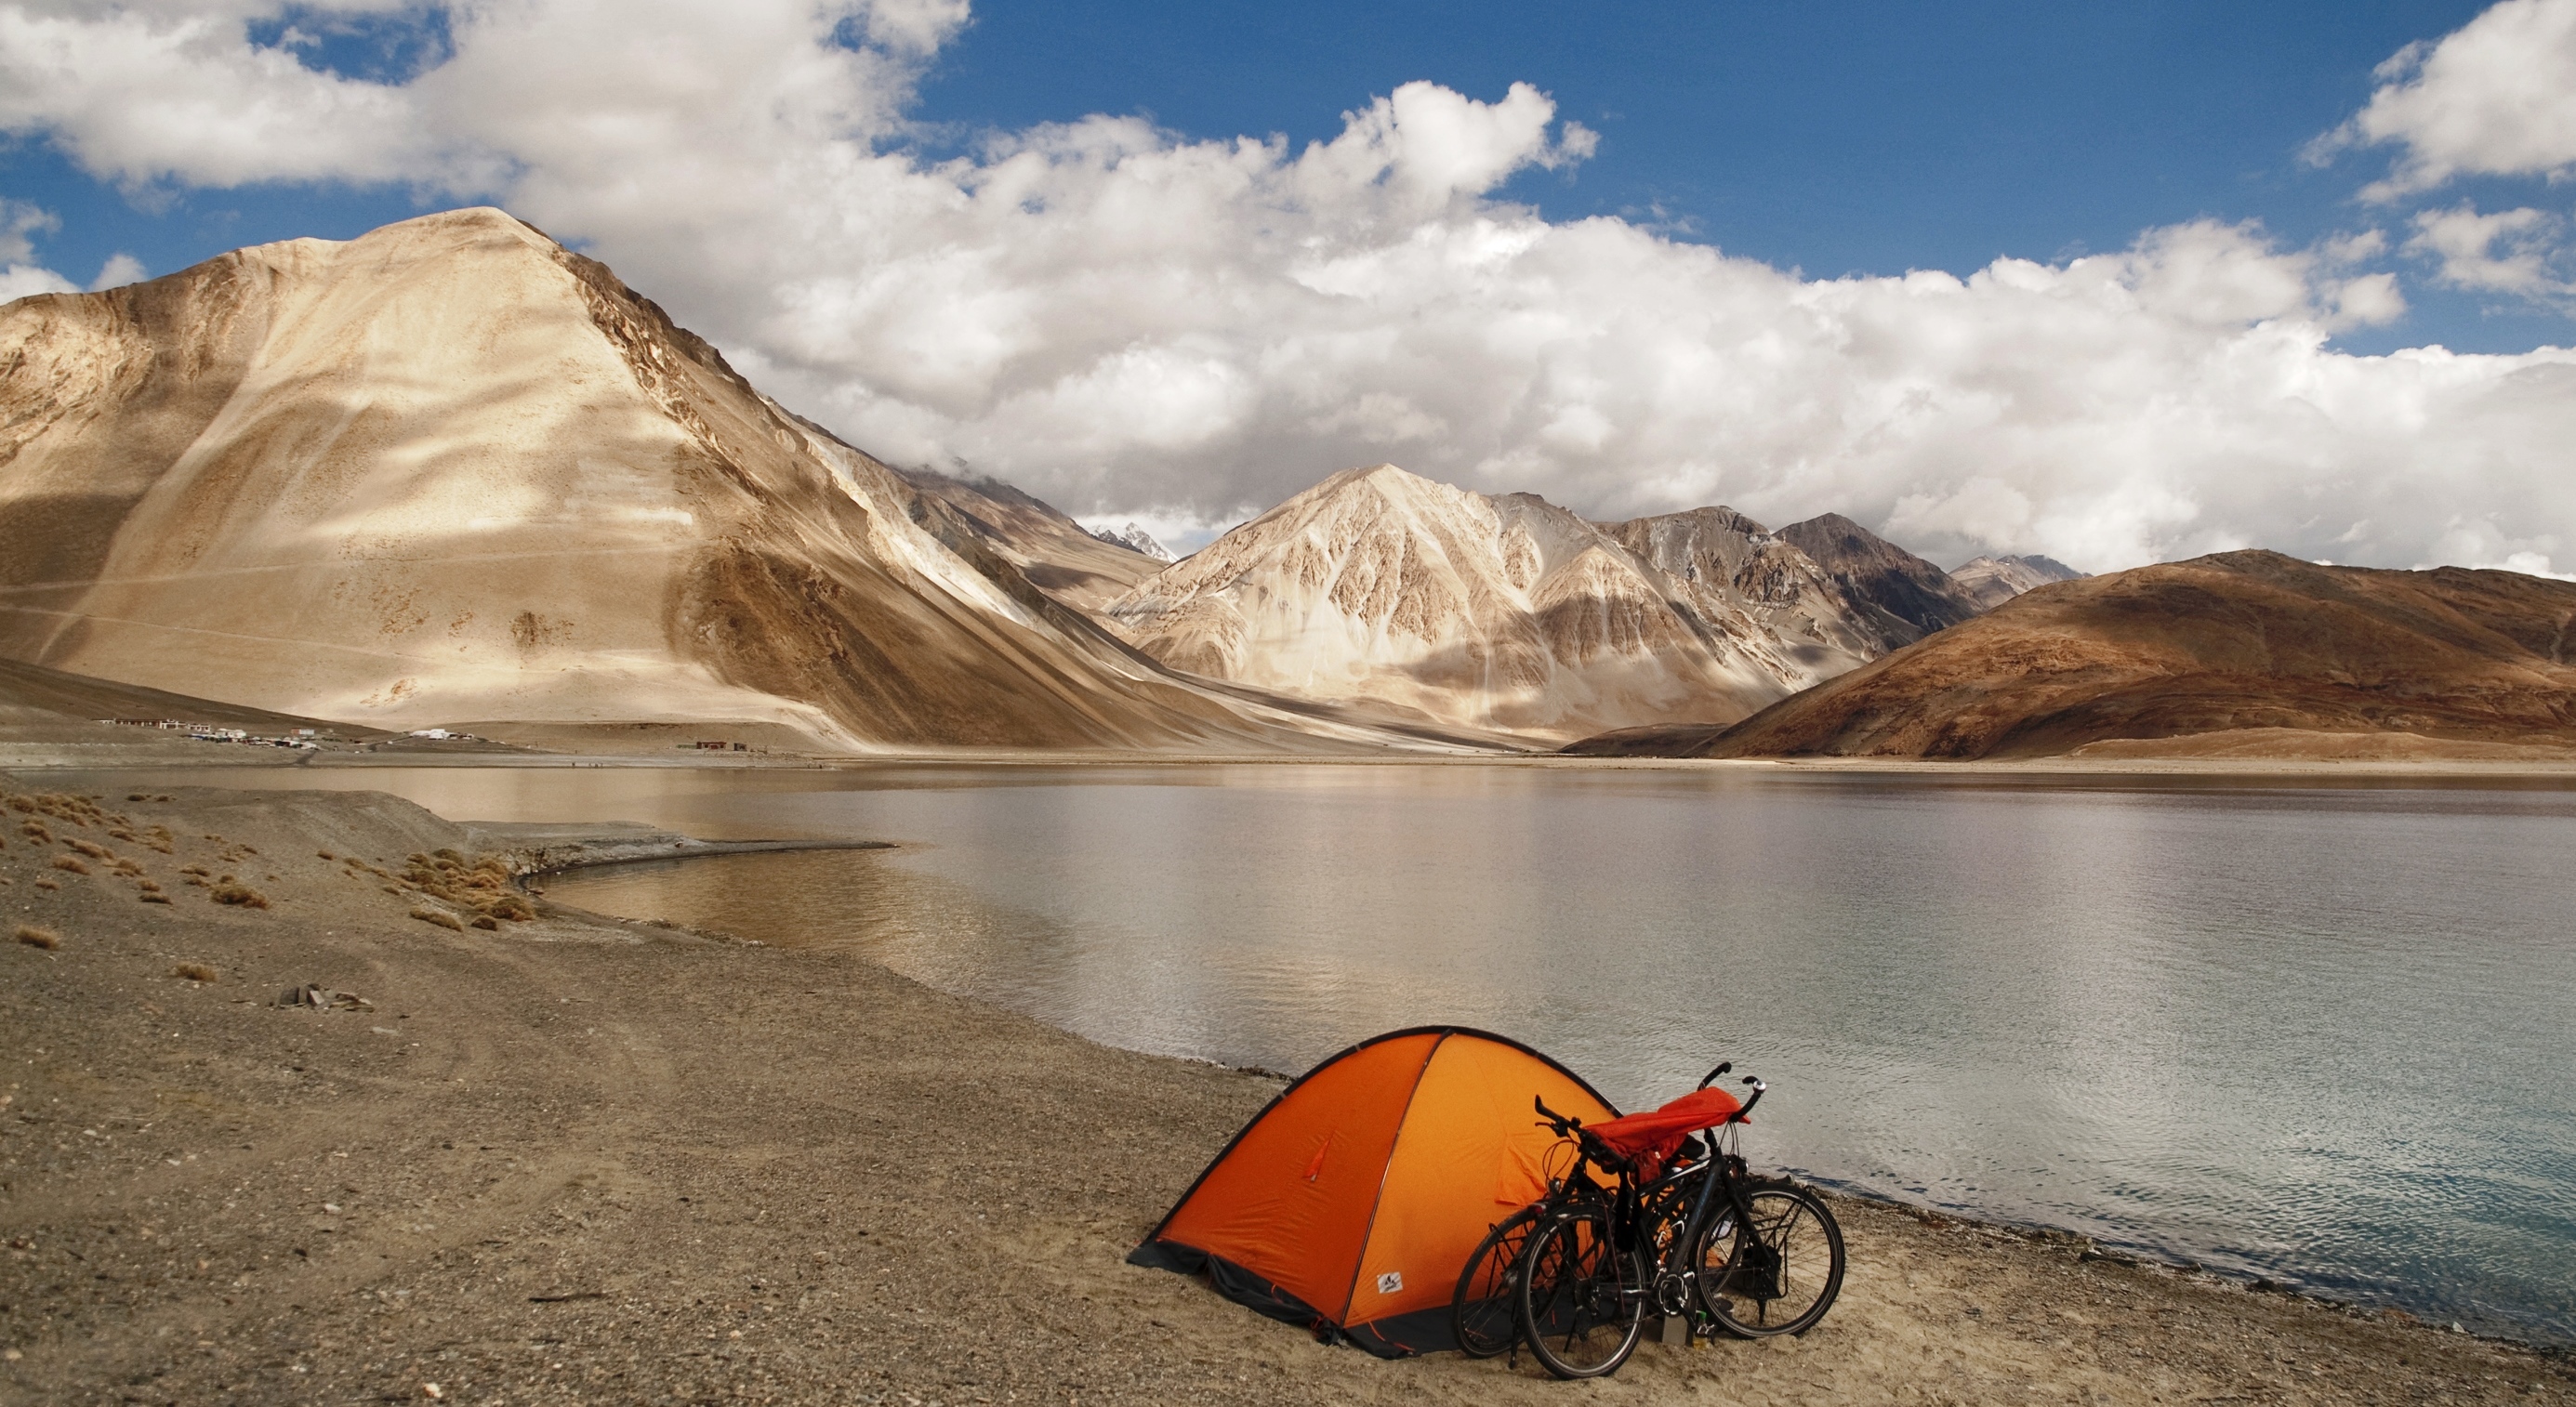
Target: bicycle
pixel 1682 1225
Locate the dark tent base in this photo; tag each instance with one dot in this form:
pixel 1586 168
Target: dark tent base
pixel 1397 1336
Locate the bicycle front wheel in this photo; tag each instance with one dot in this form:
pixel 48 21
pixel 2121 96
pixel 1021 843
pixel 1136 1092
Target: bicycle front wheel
pixel 1774 1271
pixel 1581 1300
pixel 1481 1312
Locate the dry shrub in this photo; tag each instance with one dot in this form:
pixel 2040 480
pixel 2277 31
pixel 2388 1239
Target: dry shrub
pixel 194 869
pixel 153 896
pixel 119 833
pixel 92 849
pixel 229 892
pixel 324 855
pixel 136 796
pixel 71 863
pixel 486 921
pixel 23 804
pixel 483 886
pixel 193 972
pixel 47 884
pixel 441 917
pixel 35 937
pixel 127 868
pixel 34 829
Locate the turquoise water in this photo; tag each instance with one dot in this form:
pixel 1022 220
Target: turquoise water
pixel 2324 1033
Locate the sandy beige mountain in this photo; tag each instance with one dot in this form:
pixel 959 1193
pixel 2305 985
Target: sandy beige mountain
pixel 1057 554
pixel 1991 581
pixel 450 471
pixel 2243 654
pixel 1407 598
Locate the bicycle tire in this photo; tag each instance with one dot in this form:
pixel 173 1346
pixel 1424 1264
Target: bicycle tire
pixel 1777 1270
pixel 1483 1313
pixel 1581 1300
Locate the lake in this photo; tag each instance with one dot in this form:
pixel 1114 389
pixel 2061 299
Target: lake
pixel 2315 1030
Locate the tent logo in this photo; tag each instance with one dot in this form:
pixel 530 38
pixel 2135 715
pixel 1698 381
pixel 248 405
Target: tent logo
pixel 1390 1282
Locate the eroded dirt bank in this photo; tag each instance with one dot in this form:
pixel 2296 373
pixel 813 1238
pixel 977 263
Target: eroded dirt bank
pixel 569 1159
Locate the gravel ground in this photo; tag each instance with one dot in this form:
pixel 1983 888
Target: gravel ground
pixel 574 1159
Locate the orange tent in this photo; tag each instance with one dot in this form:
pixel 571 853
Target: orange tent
pixel 1353 1201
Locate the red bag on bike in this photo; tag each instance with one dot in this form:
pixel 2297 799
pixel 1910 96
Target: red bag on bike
pixel 1652 1137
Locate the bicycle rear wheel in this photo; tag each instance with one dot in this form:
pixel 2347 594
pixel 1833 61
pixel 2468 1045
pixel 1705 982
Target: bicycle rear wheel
pixel 1775 1271
pixel 1481 1312
pixel 1581 1300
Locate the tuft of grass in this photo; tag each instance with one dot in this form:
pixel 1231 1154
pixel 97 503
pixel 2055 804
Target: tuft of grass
pixel 193 972
pixel 35 937
pixel 486 922
pixel 34 829
pixel 324 855
pixel 71 863
pixel 230 892
pixel 441 917
pixel 47 884
pixel 153 896
pixel 91 848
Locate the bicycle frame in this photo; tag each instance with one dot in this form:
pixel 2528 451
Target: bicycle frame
pixel 1671 1275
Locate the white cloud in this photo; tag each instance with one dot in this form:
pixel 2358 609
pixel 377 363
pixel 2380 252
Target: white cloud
pixel 26 280
pixel 1182 332
pixel 2510 251
pixel 2497 97
pixel 119 270
pixel 20 275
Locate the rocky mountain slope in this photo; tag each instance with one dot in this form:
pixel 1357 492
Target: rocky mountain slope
pixel 450 470
pixel 1909 597
pixel 1058 555
pixel 2244 654
pixel 1991 581
pixel 1134 539
pixel 1416 600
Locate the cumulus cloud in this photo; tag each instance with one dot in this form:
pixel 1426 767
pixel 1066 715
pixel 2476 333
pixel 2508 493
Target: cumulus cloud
pixel 2510 251
pixel 2497 97
pixel 1143 326
pixel 20 275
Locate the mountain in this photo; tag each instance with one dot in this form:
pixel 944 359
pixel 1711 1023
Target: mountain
pixel 1910 597
pixel 2243 654
pixel 1083 569
pixel 1415 600
pixel 1740 573
pixel 450 471
pixel 1991 581
pixel 1134 539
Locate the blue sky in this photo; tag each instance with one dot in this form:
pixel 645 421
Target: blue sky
pixel 1176 262
pixel 1832 138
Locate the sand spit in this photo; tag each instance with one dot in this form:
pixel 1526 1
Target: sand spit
pixel 569 1158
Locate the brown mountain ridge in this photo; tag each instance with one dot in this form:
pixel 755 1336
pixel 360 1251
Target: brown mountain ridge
pixel 2245 654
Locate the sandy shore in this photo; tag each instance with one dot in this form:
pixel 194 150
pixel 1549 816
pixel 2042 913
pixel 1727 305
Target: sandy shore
pixel 574 1159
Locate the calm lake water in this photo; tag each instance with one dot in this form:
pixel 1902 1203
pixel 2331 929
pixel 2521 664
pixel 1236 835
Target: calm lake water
pixel 2320 1032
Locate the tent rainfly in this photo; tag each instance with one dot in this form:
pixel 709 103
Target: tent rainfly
pixel 1352 1202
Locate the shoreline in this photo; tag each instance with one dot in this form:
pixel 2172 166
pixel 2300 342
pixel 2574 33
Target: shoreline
pixel 43 758
pixel 572 1158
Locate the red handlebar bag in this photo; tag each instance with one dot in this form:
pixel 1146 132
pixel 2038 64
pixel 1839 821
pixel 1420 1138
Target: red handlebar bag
pixel 1655 1135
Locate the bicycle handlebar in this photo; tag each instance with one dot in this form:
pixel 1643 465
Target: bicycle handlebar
pixel 1722 1067
pixel 1759 1089
pixel 1564 1124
